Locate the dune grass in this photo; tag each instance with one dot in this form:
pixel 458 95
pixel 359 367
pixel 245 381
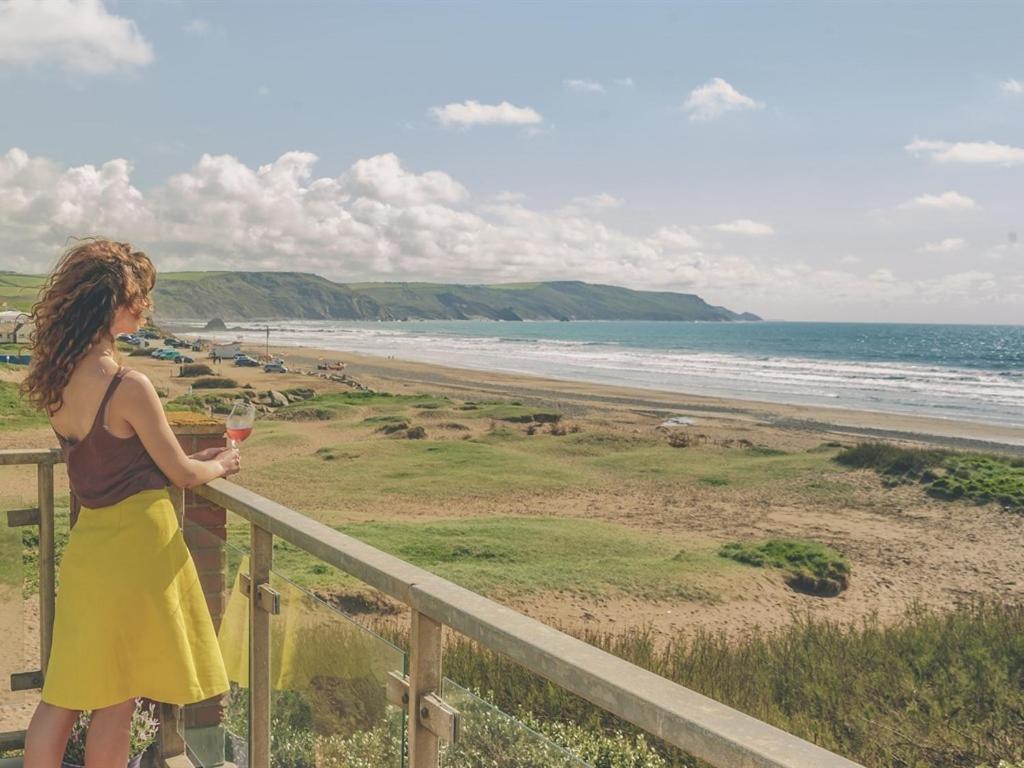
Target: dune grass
pixel 934 689
pixel 949 475
pixel 15 412
pixel 809 565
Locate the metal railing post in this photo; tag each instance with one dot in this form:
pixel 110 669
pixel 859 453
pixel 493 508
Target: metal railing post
pixel 260 562
pixel 424 679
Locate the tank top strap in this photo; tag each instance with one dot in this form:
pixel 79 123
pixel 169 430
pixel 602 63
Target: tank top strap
pixel 101 411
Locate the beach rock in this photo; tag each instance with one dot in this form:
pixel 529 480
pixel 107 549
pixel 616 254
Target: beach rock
pixel 277 399
pixel 678 421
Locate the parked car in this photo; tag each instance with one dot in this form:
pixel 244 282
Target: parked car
pixel 183 359
pixel 275 367
pixel 167 354
pixel 161 351
pixel 147 334
pixel 247 362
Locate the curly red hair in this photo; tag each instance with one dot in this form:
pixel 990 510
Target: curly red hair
pixel 76 308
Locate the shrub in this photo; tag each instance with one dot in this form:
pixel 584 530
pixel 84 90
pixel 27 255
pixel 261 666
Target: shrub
pixel 305 413
pixel 416 433
pixel 214 382
pixel 949 475
pixel 196 369
pixel 892 460
pixel 810 567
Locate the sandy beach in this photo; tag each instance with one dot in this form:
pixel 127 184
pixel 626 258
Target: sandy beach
pixel 387 373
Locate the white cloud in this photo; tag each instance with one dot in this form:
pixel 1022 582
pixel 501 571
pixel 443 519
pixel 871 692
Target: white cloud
pixel 80 36
pixel 1012 86
pixel 383 178
pixel 624 82
pixel 583 86
pixel 509 197
pixel 850 259
pixel 470 113
pixel 947 201
pixel 716 97
pixel 745 227
pixel 949 245
pixel 602 200
pixel 675 239
pixel 987 152
pixel 199 27
pixel 378 220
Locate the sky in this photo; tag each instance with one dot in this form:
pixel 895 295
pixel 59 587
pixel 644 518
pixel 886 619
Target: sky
pixel 804 161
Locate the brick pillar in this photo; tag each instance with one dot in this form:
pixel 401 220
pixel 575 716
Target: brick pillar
pixel 205 530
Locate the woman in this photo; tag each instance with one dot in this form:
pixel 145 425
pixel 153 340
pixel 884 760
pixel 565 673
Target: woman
pixel 131 619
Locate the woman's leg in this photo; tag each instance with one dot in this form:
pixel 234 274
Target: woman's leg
pixel 106 743
pixel 47 735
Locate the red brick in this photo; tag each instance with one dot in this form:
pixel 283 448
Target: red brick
pixel 209 559
pixel 200 536
pixel 212 582
pixel 209 712
pixel 207 515
pixel 215 604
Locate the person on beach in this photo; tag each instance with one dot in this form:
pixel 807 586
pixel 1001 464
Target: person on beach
pixel 130 619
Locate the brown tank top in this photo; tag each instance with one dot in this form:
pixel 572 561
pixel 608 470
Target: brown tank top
pixel 104 469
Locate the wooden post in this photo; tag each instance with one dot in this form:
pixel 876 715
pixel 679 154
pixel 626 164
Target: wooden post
pixel 47 561
pixel 424 678
pixel 171 738
pixel 260 562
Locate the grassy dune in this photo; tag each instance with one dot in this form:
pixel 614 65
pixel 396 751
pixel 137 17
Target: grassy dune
pixel 507 556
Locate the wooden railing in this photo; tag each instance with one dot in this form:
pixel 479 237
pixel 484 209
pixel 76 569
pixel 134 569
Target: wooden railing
pixel 701 726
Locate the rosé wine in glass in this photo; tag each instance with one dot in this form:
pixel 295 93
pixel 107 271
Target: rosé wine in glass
pixel 240 422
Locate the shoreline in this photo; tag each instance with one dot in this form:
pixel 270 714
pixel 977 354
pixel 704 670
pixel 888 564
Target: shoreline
pixel 827 419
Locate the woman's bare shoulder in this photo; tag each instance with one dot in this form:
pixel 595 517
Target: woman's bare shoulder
pixel 136 381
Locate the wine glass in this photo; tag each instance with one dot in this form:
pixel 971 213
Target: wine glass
pixel 240 421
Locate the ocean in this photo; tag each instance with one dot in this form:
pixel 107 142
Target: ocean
pixel 964 372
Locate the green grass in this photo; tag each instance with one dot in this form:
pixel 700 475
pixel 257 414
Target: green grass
pixel 417 469
pixel 809 566
pixel 382 404
pixel 15 412
pixel 509 412
pixel 933 689
pixel 522 555
pixel 709 465
pixel 950 475
pixel 981 479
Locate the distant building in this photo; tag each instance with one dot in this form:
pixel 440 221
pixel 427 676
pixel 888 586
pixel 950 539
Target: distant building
pixel 226 350
pixel 14 327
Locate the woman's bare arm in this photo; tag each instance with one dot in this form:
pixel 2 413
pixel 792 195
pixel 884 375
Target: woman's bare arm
pixel 145 413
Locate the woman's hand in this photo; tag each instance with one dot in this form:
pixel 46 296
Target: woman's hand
pixel 207 453
pixel 230 460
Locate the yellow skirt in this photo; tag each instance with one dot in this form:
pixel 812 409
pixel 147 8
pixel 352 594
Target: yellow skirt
pixel 131 619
